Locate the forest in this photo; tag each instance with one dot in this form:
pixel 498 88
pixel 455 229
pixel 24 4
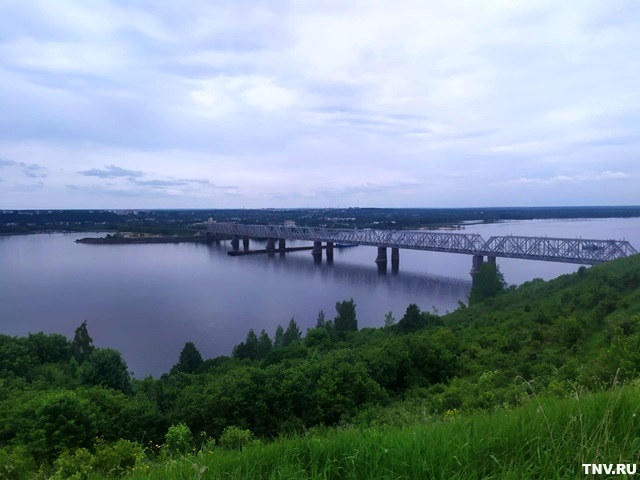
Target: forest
pixel 336 400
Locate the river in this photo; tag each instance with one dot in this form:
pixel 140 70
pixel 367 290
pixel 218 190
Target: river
pixel 148 300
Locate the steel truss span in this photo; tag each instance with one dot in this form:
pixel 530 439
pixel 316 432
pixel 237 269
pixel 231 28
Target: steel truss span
pixel 566 250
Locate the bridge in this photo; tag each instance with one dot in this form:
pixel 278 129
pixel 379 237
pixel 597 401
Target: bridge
pixel 565 250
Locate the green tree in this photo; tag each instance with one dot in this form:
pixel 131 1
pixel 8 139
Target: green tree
pixel 52 348
pixel 248 348
pixel 107 368
pixel 264 345
pixel 82 344
pixel 278 339
pixel 389 319
pixel 292 334
pixel 488 282
pixel 346 320
pixel 321 322
pixel 54 422
pixel 317 337
pixel 190 360
pixel 412 319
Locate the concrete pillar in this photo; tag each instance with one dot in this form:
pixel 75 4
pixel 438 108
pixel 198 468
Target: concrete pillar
pixel 282 244
pixel 245 243
pixel 476 263
pixel 235 243
pixel 271 245
pixel 491 260
pixel 329 252
pixel 317 252
pixel 395 259
pixel 381 260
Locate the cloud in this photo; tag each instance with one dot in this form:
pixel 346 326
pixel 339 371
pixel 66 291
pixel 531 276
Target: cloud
pixel 300 102
pixel 34 171
pixel 575 178
pixel 182 182
pixel 31 170
pixel 101 190
pixel 111 171
pixel 222 96
pixel 158 183
pixel 7 163
pixel 202 181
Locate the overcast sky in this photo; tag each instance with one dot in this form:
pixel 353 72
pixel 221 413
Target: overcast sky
pixel 240 103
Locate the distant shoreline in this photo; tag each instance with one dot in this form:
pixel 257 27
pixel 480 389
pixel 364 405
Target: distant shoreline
pixel 116 240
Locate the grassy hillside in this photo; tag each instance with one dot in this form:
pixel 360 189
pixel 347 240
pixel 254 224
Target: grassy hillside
pixel 429 396
pixel 548 439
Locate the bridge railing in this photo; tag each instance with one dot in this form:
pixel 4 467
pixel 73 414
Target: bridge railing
pixel 567 250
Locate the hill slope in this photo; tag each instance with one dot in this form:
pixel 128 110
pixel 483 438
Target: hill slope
pixel 65 403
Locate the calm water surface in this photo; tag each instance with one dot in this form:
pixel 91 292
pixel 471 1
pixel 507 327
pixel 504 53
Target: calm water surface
pixel 148 300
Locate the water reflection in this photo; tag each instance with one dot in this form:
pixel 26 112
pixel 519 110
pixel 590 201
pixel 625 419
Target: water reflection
pixel 355 274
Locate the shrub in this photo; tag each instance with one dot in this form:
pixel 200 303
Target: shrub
pixel 76 465
pixel 117 459
pixel 178 438
pixel 234 438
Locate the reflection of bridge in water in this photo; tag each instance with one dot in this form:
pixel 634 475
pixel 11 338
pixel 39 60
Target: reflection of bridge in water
pixel 565 250
pixel 355 274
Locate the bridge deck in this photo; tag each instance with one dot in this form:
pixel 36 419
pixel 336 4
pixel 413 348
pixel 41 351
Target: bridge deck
pixel 567 250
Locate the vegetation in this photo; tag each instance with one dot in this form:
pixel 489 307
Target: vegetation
pixel 488 283
pixel 516 385
pixel 547 439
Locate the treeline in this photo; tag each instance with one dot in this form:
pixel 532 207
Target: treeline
pixel 179 221
pixel 65 403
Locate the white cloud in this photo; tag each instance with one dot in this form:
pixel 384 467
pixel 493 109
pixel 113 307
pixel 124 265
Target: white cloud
pixel 224 95
pixel 268 97
pixel 575 178
pixel 313 100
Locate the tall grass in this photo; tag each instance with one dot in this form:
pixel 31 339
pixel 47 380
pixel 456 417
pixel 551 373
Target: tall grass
pixel 549 438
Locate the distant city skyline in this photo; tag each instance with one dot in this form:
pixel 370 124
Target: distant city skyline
pixel 416 103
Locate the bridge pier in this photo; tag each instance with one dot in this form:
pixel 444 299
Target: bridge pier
pixel 271 245
pixel 235 243
pixel 245 243
pixel 491 260
pixel 476 263
pixel 317 252
pixel 395 259
pixel 381 260
pixel 282 244
pixel 382 255
pixel 329 252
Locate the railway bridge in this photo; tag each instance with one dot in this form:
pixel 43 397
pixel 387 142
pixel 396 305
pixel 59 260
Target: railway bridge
pixel 565 250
